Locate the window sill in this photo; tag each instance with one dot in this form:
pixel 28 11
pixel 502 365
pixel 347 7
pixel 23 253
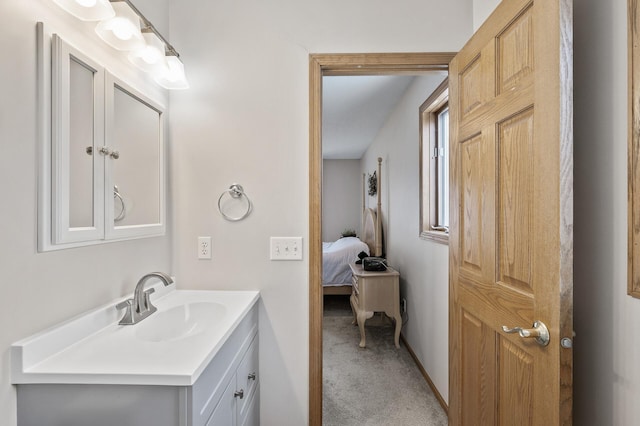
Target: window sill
pixel 440 237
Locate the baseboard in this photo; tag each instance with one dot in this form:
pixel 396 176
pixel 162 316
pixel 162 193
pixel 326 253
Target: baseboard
pixel 439 397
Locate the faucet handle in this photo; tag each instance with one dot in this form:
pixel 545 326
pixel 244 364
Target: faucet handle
pixel 147 300
pixel 128 317
pixel 124 304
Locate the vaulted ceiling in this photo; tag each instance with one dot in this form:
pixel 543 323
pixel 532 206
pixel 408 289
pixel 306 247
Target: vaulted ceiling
pixel 354 108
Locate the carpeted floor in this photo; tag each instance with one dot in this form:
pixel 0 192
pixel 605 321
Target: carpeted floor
pixel 376 385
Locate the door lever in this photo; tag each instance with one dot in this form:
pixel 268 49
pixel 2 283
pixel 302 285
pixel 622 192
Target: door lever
pixel 539 331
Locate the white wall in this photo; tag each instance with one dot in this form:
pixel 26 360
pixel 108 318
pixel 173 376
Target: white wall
pixel 423 265
pixel 481 11
pixel 38 290
pixel 607 345
pixel 341 198
pixel 246 119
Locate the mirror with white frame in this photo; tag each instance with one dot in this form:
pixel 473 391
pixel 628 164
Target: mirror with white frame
pixel 135 137
pixel 102 161
pixel 77 133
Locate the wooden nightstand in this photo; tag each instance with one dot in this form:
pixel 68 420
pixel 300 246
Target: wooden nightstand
pixel 375 292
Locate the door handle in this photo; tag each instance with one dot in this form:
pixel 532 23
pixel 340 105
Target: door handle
pixel 539 331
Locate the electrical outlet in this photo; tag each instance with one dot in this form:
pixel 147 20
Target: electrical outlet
pixel 204 247
pixel 285 248
pixel 404 306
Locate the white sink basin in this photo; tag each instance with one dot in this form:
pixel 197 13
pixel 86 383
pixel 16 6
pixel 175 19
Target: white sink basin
pixel 179 322
pixel 170 347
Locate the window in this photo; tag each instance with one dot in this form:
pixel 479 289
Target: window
pixel 434 165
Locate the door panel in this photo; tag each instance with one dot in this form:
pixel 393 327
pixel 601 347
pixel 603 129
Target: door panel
pixel 511 217
pixel 516 384
pixel 515 53
pixel 515 204
pixel 478 370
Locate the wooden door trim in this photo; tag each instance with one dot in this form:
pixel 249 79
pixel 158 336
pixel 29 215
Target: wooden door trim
pixel 633 149
pixel 340 64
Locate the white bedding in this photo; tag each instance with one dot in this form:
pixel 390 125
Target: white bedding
pixel 336 257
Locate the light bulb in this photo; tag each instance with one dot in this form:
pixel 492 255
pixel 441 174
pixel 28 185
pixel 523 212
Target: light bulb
pixel 150 57
pixel 88 10
pixel 87 3
pixel 121 28
pixel 123 31
pixel 172 75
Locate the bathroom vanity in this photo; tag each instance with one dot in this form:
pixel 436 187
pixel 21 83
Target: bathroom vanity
pixel 194 362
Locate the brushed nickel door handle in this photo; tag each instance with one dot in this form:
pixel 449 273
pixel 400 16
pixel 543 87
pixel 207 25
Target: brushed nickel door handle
pixel 540 332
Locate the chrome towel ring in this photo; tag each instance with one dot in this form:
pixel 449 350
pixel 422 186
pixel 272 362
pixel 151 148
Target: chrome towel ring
pixel 235 191
pixel 123 210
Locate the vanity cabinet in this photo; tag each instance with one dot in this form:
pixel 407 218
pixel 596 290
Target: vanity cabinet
pixel 226 393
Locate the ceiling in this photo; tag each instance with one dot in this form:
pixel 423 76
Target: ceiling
pixel 354 109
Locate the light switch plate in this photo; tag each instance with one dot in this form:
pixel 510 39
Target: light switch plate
pixel 286 248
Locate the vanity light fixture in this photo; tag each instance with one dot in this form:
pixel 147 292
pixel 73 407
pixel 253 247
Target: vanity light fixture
pixel 172 77
pixel 123 27
pixel 150 57
pixel 122 31
pixel 88 10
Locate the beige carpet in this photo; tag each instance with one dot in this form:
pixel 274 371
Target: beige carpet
pixel 376 385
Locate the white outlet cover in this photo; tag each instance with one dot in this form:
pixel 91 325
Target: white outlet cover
pixel 204 247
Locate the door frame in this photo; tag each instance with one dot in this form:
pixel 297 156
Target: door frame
pixel 321 65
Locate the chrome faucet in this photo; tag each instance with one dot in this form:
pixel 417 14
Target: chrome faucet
pixel 140 306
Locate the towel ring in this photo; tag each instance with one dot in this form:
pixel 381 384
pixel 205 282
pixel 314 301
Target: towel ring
pixel 123 210
pixel 235 191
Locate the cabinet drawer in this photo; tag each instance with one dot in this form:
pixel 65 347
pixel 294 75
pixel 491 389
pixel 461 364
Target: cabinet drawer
pixel 248 380
pixel 355 300
pixel 354 282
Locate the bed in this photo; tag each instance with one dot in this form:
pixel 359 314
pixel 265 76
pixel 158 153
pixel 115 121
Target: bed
pixel 337 255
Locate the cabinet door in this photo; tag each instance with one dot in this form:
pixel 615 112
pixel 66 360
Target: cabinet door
pixel 247 380
pixel 77 120
pixel 252 411
pixel 134 202
pixel 225 413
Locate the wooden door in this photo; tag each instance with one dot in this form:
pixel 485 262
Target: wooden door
pixel 511 241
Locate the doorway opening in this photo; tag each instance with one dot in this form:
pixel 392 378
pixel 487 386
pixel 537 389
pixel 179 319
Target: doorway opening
pixel 321 65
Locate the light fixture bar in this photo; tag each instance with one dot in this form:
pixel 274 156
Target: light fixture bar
pixel 123 27
pixel 148 26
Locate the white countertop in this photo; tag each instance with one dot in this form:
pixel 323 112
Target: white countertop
pixel 93 349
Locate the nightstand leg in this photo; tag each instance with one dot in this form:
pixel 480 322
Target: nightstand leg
pixel 362 317
pixel 398 319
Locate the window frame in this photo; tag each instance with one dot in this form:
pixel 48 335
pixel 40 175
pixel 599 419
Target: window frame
pixel 428 118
